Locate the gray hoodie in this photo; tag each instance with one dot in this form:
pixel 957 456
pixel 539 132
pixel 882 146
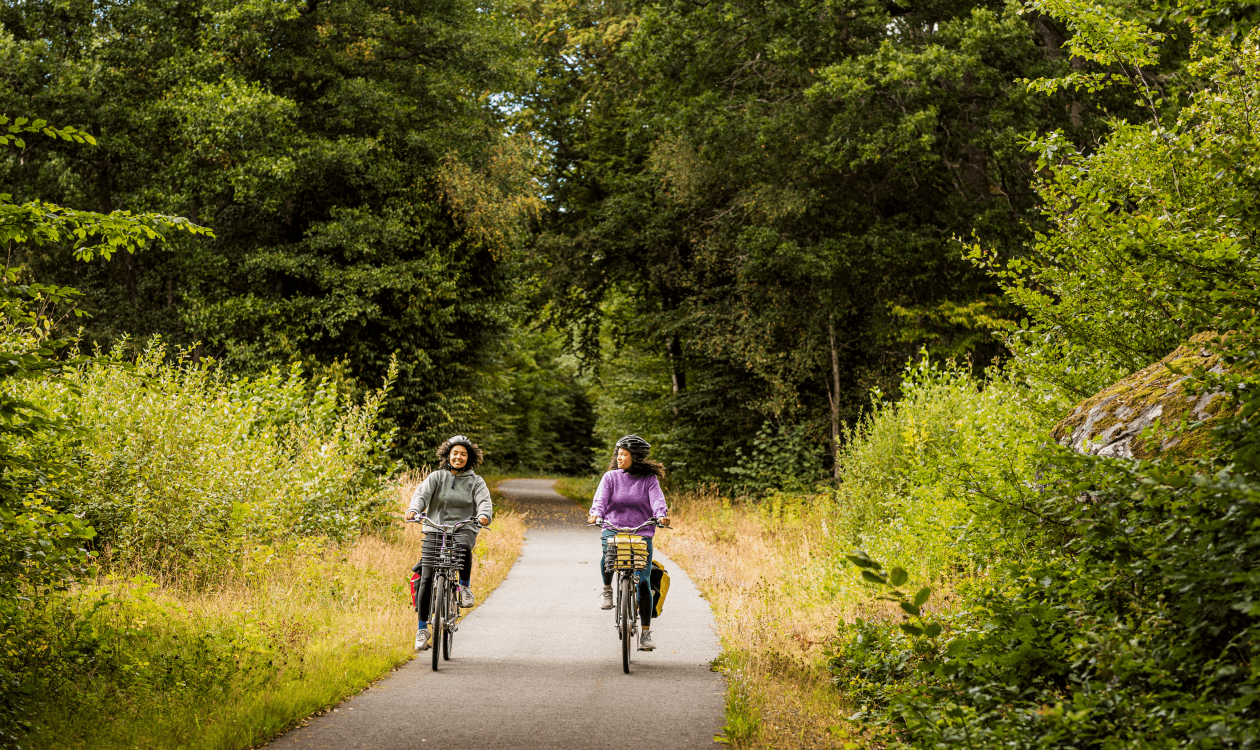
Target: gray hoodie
pixel 446 498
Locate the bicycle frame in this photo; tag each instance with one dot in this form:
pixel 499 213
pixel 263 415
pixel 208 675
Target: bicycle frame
pixel 441 555
pixel 626 607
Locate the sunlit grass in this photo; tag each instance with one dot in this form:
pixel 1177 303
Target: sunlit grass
pixel 774 578
pixel 291 632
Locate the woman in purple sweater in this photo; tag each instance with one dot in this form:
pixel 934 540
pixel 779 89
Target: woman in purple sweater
pixel 629 494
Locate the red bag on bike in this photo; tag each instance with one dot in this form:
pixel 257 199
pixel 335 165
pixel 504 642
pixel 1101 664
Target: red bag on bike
pixel 415 582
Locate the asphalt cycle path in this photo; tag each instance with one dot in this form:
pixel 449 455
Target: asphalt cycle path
pixel 538 664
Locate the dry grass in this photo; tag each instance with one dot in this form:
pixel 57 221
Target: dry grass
pixel 770 573
pixel 328 620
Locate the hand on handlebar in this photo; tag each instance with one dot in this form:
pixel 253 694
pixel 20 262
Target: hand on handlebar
pixel 593 520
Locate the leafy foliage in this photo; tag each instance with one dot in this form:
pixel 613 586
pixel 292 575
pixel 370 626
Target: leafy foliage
pixel 357 174
pixel 1132 622
pixel 183 469
pixel 937 482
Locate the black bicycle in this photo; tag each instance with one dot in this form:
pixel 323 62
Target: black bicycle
pixel 625 554
pixel 445 558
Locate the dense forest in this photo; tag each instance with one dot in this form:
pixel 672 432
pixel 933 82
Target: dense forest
pixel 264 255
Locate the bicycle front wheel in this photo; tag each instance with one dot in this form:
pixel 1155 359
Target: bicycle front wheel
pixel 627 620
pixel 448 635
pixel 437 624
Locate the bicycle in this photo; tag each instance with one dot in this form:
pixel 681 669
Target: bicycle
pixel 626 554
pixel 446 559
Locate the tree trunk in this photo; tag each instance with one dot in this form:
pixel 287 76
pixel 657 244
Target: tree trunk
pixel 677 376
pixel 834 393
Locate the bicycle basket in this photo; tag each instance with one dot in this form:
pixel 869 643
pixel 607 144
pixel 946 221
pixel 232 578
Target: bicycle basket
pixel 441 553
pixel 626 552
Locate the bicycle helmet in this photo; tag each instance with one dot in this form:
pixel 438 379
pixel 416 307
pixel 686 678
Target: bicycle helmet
pixel 634 444
pixel 459 440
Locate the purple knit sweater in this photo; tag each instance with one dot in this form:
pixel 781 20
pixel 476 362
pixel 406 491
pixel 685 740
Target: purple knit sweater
pixel 627 501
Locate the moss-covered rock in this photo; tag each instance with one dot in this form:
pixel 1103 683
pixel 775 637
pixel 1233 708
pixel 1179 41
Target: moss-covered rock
pixel 1112 421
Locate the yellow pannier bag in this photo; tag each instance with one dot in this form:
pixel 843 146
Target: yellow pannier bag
pixel 660 587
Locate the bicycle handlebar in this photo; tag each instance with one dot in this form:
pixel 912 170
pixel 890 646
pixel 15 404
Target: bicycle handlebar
pixel 650 522
pixel 446 528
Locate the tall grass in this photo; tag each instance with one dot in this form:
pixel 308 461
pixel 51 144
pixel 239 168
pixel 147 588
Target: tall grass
pixel 296 628
pixel 250 563
pixel 759 566
pixel 927 484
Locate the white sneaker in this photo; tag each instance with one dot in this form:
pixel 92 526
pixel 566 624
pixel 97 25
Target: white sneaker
pixel 605 599
pixel 645 642
pixel 466 599
pixel 422 639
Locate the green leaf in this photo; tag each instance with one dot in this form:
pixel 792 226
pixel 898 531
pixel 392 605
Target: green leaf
pixel 899 577
pixel 921 598
pixel 862 560
pixel 874 578
pixel 933 629
pixel 914 630
pixel 910 609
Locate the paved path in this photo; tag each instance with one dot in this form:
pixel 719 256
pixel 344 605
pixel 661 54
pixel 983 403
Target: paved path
pixel 538 664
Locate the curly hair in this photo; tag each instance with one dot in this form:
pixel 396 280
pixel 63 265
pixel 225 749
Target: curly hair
pixel 640 464
pixel 475 457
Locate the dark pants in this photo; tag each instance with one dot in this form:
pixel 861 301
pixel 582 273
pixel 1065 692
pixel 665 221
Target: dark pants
pixel 644 577
pixel 465 539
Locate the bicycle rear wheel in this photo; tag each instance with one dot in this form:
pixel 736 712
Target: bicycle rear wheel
pixel 627 621
pixel 437 624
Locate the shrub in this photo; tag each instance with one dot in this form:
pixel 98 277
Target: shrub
pixel 935 482
pixel 183 468
pixel 1142 631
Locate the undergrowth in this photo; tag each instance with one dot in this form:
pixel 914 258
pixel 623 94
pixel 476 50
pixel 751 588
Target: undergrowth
pixel 298 627
pixel 932 483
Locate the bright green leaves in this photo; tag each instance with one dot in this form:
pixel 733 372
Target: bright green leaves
pixel 23 125
pixel 87 233
pixel 1102 37
pixel 894 580
pixel 1149 232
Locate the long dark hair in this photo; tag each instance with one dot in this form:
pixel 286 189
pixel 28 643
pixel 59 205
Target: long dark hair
pixel 475 456
pixel 640 464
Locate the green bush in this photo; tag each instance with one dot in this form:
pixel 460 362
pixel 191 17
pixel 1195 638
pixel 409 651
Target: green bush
pixel 1141 632
pixel 935 482
pixel 181 472
pixel 783 458
pixel 1134 620
pixel 183 468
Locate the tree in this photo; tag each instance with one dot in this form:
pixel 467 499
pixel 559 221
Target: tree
pixel 778 189
pixel 42 548
pixel 349 155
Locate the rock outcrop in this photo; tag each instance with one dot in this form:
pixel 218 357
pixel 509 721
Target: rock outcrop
pixel 1111 422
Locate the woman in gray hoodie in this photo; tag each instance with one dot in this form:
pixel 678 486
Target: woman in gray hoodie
pixel 452 493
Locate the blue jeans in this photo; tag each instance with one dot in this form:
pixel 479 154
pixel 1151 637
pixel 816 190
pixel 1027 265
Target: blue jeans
pixel 643 577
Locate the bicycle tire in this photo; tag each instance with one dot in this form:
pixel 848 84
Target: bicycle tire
pixel 617 613
pixel 448 636
pixel 438 623
pixel 627 622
